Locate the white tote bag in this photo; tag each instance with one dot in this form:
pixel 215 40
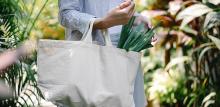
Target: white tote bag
pixel 83 74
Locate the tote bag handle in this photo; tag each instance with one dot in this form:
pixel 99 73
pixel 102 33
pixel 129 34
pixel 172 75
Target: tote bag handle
pixel 87 36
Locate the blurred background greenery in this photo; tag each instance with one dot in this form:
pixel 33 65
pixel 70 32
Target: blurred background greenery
pixel 181 70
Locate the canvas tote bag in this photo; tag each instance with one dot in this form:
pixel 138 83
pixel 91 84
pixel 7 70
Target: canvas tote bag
pixel 83 74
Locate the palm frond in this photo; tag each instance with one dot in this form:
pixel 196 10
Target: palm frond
pixel 16 23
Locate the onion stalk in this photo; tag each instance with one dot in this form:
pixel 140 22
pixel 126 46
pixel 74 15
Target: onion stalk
pixel 135 38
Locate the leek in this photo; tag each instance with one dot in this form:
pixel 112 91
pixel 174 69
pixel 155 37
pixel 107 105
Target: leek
pixel 135 38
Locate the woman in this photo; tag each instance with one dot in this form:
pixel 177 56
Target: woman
pixel 75 16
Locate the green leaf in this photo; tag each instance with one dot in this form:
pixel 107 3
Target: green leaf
pixel 208 97
pixel 212 19
pixel 215 2
pixel 209 103
pixel 126 29
pixel 17 21
pixel 215 40
pixel 201 55
pixel 176 61
pixel 192 12
pixel 24 103
pixel 188 29
pixel 29 99
pixel 192 100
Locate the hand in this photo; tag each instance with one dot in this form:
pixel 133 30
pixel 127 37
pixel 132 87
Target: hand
pixel 7 59
pixel 11 56
pixel 117 16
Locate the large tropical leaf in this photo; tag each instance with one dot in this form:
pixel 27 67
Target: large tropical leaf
pixel 208 100
pixel 9 13
pixel 212 19
pixel 192 12
pixel 215 2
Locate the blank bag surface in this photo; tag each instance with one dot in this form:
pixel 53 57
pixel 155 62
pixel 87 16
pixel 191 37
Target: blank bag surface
pixel 83 74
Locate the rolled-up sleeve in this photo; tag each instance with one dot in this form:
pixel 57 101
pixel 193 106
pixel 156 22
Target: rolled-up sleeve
pixel 71 15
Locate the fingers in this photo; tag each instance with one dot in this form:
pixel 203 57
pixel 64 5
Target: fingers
pixel 125 4
pixel 128 12
pixel 7 59
pixel 130 8
pixel 131 12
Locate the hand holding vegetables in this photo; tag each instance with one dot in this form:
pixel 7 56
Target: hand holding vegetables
pixel 120 15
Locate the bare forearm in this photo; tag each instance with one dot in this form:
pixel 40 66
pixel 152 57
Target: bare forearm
pixel 100 24
pixel 117 16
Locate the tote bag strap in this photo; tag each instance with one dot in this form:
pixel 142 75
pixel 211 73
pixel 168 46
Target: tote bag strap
pixel 87 36
pixel 106 37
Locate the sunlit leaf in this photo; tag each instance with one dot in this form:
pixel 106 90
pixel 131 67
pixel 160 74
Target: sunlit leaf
pixel 176 61
pixel 212 19
pixel 215 2
pixel 201 55
pixel 189 30
pixel 208 97
pixel 215 40
pixel 208 103
pixel 195 10
pixel 192 12
pixel 23 101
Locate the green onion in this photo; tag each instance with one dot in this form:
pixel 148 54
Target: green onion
pixel 125 32
pixel 135 38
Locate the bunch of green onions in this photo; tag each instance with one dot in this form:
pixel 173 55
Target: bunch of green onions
pixel 135 38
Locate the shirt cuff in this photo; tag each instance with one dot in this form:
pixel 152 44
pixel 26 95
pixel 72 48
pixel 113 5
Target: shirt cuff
pixel 84 22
